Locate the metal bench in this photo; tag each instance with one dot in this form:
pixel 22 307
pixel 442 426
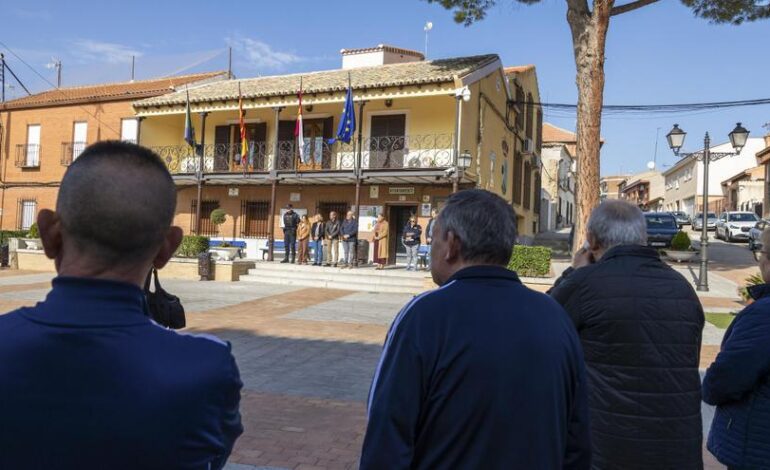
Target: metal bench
pixel 279 248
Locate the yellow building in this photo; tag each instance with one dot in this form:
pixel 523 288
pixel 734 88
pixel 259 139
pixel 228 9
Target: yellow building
pixel 417 122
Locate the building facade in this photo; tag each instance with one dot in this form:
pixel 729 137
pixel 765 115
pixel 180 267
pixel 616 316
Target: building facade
pixel 763 160
pixel 558 194
pixel 646 190
pixel 684 181
pixel 609 186
pixel 41 134
pixel 745 191
pixel 414 119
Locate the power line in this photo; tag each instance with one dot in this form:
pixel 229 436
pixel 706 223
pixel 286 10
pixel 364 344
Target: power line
pixel 629 109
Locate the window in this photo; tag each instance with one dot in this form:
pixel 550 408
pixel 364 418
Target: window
pixel 528 126
pixel 32 154
pixel 79 139
pixel 538 183
pixel 129 130
pixel 746 217
pixel 527 186
pixel 254 218
pixel 520 104
pixel 517 177
pixel 207 228
pixel 27 213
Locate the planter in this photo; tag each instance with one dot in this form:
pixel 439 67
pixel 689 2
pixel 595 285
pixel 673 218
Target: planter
pixel 33 243
pixel 681 256
pixel 225 254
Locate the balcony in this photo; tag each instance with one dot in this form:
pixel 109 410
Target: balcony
pixel 28 155
pixel 70 151
pixel 418 152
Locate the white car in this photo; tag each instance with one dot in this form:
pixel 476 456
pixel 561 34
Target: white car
pixel 735 225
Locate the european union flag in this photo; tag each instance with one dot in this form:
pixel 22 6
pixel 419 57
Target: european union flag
pixel 189 130
pixel 347 120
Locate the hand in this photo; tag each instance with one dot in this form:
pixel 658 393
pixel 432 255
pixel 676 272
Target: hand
pixel 428 239
pixel 583 257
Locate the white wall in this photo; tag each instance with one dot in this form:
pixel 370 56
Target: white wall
pixel 727 167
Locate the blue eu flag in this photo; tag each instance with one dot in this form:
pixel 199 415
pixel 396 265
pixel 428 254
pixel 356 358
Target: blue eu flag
pixel 347 120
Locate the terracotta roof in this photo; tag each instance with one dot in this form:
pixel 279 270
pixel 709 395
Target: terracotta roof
pixel 385 48
pixel 519 68
pixel 108 91
pixel 553 134
pixel 380 76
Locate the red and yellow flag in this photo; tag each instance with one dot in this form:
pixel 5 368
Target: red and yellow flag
pixel 244 141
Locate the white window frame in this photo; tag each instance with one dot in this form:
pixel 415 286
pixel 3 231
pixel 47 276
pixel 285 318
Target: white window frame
pixel 28 213
pixel 32 154
pixel 123 136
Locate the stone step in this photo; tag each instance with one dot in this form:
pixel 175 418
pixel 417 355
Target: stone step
pixel 367 271
pixel 361 285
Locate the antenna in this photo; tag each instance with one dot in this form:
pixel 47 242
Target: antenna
pixel 133 64
pixel 55 64
pixel 230 63
pixel 428 26
pixel 655 155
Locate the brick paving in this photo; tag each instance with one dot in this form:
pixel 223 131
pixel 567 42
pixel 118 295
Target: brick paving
pixel 306 357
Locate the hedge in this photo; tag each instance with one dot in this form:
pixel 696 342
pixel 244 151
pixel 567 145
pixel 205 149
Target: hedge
pixel 192 246
pixel 531 261
pixel 6 234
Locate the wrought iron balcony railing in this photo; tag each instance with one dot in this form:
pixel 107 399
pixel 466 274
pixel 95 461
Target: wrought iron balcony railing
pixel 432 151
pixel 70 151
pixel 28 155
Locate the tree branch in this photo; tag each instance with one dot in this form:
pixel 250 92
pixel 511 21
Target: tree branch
pixel 620 9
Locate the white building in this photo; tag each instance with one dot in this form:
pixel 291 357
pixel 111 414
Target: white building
pixel 684 181
pixel 558 178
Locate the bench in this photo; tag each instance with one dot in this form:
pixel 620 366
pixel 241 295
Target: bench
pixel 240 244
pixel 279 248
pixel 422 255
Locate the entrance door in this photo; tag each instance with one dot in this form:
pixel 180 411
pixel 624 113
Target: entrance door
pixel 398 216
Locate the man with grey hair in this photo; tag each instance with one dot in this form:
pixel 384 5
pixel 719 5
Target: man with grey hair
pixel 640 324
pixel 87 379
pixel 481 372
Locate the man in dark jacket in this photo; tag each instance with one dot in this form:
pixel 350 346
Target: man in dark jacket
pixel 738 382
pixel 317 234
pixel 349 233
pixel 332 240
pixel 429 233
pixel 290 223
pixel 411 241
pixel 463 384
pixel 640 323
pixel 87 380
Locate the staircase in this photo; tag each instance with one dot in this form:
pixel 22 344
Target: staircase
pixel 365 279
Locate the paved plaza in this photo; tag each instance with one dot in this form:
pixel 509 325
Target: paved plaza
pixel 306 357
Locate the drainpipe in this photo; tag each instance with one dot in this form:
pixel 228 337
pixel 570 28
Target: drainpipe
pixel 357 166
pixel 201 164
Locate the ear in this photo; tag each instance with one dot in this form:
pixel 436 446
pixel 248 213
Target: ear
pixel 453 248
pixel 170 244
pixel 593 243
pixel 49 224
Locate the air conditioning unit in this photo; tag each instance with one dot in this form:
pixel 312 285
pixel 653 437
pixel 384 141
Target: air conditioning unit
pixel 529 146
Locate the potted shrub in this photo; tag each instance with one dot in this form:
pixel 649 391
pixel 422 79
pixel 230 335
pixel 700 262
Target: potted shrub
pixel 33 242
pixel 225 251
pixel 681 248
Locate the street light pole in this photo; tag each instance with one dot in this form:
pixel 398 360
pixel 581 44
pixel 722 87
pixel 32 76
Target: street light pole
pixel 703 282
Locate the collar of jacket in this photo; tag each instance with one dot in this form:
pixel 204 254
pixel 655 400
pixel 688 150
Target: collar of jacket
pixel 759 291
pixel 485 272
pixel 87 302
pixel 630 250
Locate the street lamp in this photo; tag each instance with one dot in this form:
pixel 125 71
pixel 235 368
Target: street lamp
pixel 461 94
pixel 738 138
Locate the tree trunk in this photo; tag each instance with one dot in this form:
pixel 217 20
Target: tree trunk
pixel 589 34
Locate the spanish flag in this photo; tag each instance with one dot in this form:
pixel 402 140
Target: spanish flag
pixel 244 141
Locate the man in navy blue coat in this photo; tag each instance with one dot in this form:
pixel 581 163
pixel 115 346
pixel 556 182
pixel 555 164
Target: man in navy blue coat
pixel 482 372
pixel 87 380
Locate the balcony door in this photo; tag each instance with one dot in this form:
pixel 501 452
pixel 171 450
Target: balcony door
pixel 387 141
pixel 79 139
pixel 317 154
pixel 32 155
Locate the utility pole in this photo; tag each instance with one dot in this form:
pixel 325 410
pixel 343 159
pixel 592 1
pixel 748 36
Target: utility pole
pixel 133 65
pixel 2 78
pixel 230 63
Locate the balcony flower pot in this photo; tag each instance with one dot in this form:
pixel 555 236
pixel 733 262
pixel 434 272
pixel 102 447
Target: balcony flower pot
pixel 224 253
pixel 681 256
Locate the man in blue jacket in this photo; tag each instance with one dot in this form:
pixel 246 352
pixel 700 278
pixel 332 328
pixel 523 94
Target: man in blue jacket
pixel 738 382
pixel 87 380
pixel 482 372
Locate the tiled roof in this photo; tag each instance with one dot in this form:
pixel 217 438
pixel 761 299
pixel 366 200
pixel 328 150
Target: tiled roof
pixel 519 68
pixel 404 74
pixel 553 134
pixel 108 91
pixel 383 48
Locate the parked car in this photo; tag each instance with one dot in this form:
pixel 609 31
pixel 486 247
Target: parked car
pixel 661 228
pixel 733 226
pixel 711 221
pixel 681 218
pixel 755 234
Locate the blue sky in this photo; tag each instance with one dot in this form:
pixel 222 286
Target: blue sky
pixel 658 54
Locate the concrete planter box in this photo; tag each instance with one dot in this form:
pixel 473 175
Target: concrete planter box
pixel 177 268
pixel 31 243
pixel 681 256
pixel 224 253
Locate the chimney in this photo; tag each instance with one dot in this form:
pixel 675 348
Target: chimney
pixel 767 140
pixel 382 54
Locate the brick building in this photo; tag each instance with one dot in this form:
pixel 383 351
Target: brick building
pixel 41 134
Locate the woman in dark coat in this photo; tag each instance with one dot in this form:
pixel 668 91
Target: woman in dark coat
pixel 738 382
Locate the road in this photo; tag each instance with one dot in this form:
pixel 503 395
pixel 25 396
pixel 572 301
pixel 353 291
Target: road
pixel 731 260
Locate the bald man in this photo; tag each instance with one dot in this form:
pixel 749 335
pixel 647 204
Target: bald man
pixel 87 380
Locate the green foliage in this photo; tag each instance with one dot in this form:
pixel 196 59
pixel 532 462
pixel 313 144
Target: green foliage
pixel 730 11
pixel 720 320
pixel 6 234
pixel 753 280
pixel 225 245
pixel 680 242
pixel 33 232
pixel 218 216
pixel 192 246
pixel 531 261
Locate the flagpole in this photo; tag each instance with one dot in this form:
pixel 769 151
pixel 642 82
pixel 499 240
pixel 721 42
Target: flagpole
pixel 200 174
pixel 358 173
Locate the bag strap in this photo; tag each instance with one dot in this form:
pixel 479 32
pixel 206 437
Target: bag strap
pixel 158 288
pixel 147 281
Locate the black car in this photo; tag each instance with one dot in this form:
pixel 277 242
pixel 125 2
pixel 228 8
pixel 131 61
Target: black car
pixel 661 228
pixel 755 234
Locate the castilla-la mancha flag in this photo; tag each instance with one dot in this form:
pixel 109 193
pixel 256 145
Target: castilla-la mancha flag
pixel 299 130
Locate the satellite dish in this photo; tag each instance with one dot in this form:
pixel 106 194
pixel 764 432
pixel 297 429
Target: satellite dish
pixel 428 26
pixel 650 165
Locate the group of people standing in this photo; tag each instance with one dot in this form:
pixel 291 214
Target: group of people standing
pixel 324 237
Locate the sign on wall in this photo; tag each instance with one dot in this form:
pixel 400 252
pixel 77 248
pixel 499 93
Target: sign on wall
pixel 374 192
pixel 295 197
pixel 232 192
pixel 425 210
pixel 367 217
pixel 401 190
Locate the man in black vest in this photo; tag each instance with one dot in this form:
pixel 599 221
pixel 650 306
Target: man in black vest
pixel 290 223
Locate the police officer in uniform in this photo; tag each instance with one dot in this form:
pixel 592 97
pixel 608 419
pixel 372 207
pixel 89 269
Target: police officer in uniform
pixel 290 223
pixel 87 380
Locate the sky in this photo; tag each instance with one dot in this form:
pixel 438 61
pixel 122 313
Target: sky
pixel 659 54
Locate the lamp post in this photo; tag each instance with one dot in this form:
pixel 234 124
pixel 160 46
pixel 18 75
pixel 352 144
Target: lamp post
pixel 738 138
pixel 461 94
